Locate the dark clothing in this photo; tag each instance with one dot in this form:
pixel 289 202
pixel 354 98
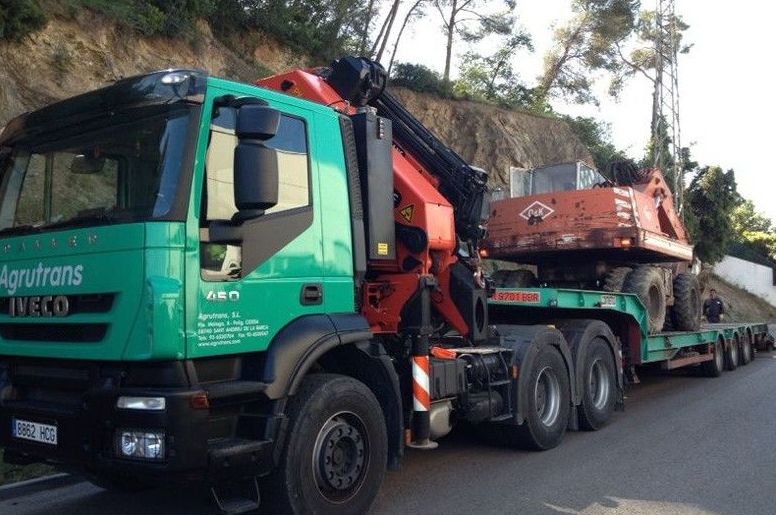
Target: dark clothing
pixel 713 308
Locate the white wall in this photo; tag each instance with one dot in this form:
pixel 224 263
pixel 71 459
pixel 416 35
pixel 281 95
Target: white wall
pixel 757 279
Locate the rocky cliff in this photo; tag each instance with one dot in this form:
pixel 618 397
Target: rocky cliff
pixel 75 54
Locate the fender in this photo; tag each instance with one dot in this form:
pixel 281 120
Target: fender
pixel 299 345
pixel 525 342
pixel 579 334
pixel 345 344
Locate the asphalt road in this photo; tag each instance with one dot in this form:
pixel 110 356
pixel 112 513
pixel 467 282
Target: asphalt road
pixel 685 445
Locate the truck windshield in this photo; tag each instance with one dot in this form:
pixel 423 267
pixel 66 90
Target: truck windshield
pixel 550 179
pixel 125 168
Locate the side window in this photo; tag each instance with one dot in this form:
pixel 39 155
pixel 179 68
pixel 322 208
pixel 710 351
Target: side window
pixel 293 168
pixel 222 262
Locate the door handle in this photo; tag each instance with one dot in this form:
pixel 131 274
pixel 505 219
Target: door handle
pixel 312 294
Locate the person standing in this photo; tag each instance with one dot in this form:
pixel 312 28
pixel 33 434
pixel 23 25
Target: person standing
pixel 713 308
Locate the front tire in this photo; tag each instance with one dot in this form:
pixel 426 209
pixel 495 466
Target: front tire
pixel 600 385
pixel 335 451
pixel 686 311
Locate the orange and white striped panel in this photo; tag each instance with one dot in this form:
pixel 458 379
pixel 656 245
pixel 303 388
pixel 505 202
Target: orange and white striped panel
pixel 421 396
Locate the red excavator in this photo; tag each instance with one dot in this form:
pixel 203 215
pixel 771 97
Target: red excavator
pixel 581 229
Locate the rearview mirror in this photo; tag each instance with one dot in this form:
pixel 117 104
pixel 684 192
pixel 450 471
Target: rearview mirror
pixel 255 163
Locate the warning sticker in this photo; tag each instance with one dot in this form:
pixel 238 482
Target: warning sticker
pixel 382 249
pixel 407 212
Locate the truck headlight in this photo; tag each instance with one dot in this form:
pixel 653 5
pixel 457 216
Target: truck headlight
pixel 140 444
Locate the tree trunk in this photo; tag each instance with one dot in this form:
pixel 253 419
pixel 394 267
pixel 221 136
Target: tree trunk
pixel 365 31
pixel 391 18
pixel 450 32
pixel 401 31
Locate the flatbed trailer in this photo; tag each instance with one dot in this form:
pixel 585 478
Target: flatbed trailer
pixel 625 314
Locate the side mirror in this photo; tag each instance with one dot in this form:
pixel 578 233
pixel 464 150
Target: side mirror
pixel 255 164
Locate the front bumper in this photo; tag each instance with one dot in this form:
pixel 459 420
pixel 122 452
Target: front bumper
pixel 200 444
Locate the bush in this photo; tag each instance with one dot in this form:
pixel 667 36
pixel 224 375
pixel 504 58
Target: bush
pixel 420 78
pixel 20 17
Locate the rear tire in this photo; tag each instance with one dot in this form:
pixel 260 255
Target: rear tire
pixel 547 400
pixel 714 367
pixel 335 453
pixel 600 385
pixel 614 280
pixel 686 311
pixel 646 282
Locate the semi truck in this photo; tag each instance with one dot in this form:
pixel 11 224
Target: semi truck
pixel 273 290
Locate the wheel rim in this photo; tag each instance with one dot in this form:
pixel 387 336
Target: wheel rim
pixel 547 396
pixel 733 354
pixel 718 358
pixel 747 349
pixel 599 384
pixel 341 457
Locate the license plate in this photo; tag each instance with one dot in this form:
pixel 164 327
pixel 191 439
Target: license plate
pixel 34 431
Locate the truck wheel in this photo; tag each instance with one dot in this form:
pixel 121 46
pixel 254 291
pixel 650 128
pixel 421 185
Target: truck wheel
pixel 547 399
pixel 335 453
pixel 614 280
pixel 731 355
pixel 600 385
pixel 686 311
pixel 746 349
pixel 646 282
pixel 714 367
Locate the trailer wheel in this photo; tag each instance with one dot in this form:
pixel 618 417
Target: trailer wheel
pixel 600 385
pixel 714 367
pixel 686 311
pixel 731 354
pixel 646 282
pixel 746 349
pixel 614 280
pixel 335 452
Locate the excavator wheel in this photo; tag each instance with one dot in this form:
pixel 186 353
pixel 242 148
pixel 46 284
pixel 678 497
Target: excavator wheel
pixel 646 282
pixel 686 311
pixel 615 278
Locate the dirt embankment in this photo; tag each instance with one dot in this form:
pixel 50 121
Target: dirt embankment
pixel 740 305
pixel 73 55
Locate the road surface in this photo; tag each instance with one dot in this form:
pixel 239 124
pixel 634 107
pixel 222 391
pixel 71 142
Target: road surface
pixel 685 445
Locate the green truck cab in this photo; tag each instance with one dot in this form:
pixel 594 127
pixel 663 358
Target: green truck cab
pixel 150 329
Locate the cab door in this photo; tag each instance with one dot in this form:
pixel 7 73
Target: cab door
pixel 247 292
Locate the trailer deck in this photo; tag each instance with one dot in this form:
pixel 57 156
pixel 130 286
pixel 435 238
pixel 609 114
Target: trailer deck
pixel 627 317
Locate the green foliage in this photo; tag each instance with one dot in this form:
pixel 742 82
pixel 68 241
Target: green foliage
pixel 589 42
pixel 754 231
pixel 324 29
pixel 171 18
pixel 420 78
pixel 709 203
pixel 20 17
pixel 492 78
pixel 596 136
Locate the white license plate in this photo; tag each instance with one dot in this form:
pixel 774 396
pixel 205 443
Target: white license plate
pixel 35 431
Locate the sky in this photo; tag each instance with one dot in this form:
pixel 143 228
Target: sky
pixel 727 85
